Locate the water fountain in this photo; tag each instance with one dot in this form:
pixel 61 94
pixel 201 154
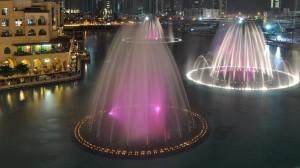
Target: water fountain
pixel 140 108
pixel 242 62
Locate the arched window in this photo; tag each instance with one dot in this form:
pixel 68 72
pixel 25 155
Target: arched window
pixel 42 20
pixel 31 21
pixel 19 32
pixel 31 32
pixel 7 50
pixel 42 32
pixel 5 22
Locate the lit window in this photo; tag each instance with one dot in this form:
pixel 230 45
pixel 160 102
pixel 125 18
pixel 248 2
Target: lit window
pixel 4 11
pixel 5 22
pixel 5 33
pixel 30 22
pixel 31 32
pixel 18 22
pixel 19 32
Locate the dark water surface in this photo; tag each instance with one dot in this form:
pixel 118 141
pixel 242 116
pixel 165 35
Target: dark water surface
pixel 258 129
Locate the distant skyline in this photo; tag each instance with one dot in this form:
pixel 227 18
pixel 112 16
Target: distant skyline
pixel 252 6
pixel 234 6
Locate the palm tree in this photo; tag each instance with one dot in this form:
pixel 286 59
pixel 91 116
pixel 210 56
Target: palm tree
pixel 6 71
pixel 21 69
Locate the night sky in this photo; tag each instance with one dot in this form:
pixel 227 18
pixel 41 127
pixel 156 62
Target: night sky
pixel 253 6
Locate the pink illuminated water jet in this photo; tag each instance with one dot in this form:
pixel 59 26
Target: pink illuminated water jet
pixel 140 82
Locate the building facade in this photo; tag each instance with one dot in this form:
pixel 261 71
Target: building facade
pixel 275 4
pixel 193 4
pixel 29 34
pixel 297 5
pixel 105 9
pixel 221 5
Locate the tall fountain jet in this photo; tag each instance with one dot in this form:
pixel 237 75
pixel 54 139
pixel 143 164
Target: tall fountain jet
pixel 140 107
pixel 242 62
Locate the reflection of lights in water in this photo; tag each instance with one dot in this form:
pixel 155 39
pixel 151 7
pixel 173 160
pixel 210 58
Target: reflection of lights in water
pixel 35 95
pixel 48 93
pixel 56 88
pixel 59 89
pixel 85 70
pixel 278 54
pixel 22 96
pixel 9 100
pixel 278 58
pixel 42 91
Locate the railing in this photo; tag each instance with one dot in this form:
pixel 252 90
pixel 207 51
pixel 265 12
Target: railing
pixel 38 53
pixel 41 82
pixel 6 35
pixel 31 24
pixel 19 34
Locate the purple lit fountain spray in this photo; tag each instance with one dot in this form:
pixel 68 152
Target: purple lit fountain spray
pixel 140 108
pixel 242 62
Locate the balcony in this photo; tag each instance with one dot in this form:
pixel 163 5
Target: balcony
pixel 31 24
pixel 20 34
pixel 6 35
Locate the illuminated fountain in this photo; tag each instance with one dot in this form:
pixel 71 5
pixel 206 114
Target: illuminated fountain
pixel 140 108
pixel 242 62
pixel 151 32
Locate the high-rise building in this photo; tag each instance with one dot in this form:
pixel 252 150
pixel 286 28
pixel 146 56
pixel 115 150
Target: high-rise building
pixel 135 7
pixel 118 6
pixel 105 9
pixel 71 6
pixel 178 5
pixel 297 5
pixel 275 4
pixel 221 5
pixel 193 3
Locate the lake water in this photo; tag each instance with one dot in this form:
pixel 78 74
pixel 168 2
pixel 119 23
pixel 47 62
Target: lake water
pixel 257 129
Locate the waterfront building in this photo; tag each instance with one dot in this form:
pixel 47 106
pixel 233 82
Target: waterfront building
pixel 30 34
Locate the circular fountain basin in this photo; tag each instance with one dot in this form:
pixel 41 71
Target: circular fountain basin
pixel 245 80
pixel 95 144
